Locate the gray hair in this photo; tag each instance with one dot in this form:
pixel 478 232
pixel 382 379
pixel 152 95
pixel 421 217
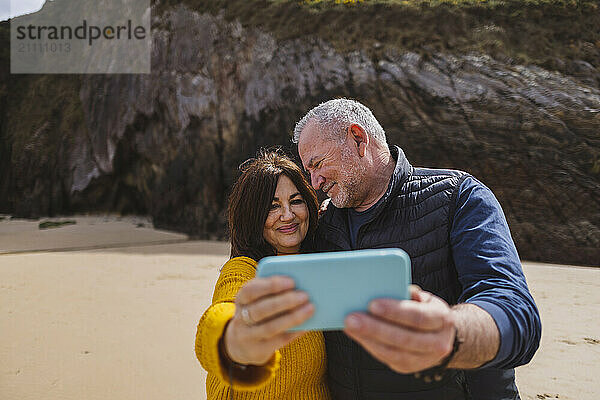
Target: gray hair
pixel 335 116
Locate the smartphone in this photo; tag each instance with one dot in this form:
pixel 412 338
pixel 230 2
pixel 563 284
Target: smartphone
pixel 342 282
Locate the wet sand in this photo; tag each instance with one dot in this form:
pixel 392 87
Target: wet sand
pixel 108 308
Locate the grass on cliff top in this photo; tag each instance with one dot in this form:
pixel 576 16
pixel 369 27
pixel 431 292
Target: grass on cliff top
pixel 542 32
pixel 434 3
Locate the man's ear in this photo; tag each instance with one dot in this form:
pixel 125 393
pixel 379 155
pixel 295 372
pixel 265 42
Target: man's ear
pixel 360 138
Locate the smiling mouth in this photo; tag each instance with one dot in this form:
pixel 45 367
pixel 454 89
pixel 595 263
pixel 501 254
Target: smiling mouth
pixel 288 228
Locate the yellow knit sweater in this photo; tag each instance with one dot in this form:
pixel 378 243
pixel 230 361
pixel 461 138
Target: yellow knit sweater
pixel 297 371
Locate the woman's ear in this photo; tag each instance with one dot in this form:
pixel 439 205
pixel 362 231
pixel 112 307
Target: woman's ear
pixel 360 138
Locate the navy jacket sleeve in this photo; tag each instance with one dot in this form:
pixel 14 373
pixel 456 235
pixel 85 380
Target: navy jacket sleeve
pixel 490 273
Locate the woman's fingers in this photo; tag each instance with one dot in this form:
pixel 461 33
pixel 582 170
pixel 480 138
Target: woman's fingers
pixel 260 287
pixel 283 339
pixel 282 323
pixel 269 307
pixel 244 347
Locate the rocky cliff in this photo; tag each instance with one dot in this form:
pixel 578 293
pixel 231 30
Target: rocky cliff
pixel 222 86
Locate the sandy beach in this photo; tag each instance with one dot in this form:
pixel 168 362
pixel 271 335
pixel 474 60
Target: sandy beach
pixel 107 309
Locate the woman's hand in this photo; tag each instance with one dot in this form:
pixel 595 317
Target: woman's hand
pixel 265 309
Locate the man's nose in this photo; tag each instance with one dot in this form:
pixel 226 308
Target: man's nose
pixel 316 180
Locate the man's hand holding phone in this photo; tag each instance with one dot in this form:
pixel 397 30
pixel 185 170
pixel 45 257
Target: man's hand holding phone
pixel 406 335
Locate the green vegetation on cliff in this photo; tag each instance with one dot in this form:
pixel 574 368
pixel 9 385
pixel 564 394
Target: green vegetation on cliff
pixel 548 33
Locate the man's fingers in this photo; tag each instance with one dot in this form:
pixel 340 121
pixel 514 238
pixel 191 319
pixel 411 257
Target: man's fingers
pixel 418 294
pixel 428 316
pixel 400 361
pixel 397 337
pixel 270 306
pixel 260 287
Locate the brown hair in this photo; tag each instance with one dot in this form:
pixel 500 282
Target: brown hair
pixel 251 199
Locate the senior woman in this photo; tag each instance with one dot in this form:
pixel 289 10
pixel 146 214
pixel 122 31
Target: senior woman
pixel 242 339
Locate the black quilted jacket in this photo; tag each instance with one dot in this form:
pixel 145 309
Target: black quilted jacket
pixel 416 216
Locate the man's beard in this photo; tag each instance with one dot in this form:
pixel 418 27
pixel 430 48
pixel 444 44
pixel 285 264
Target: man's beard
pixel 350 181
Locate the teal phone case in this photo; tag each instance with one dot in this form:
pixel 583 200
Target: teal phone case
pixel 342 282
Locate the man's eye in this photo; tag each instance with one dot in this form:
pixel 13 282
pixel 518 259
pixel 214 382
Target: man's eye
pixel 315 166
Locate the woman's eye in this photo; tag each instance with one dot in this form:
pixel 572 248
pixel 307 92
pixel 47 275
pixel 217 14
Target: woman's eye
pixel 274 206
pixel 297 201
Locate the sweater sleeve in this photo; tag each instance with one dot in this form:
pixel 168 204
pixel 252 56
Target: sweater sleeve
pixel 234 274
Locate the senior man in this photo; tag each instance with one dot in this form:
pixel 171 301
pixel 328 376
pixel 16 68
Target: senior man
pixel 470 321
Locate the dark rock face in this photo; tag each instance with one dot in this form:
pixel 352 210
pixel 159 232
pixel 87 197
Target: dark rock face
pixel 169 143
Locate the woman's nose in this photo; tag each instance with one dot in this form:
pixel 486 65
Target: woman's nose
pixel 287 213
